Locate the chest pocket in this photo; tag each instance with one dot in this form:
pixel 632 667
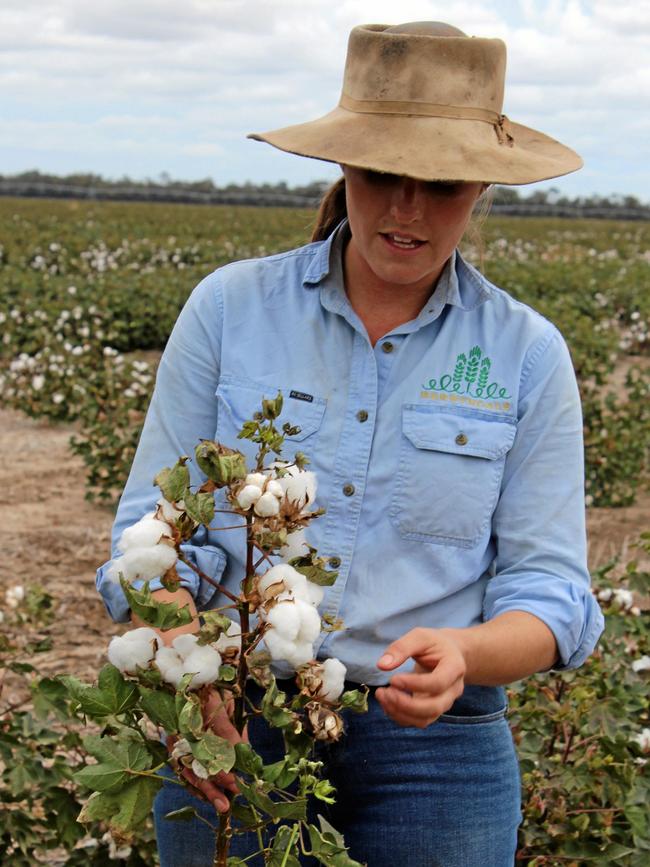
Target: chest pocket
pixel 450 471
pixel 238 401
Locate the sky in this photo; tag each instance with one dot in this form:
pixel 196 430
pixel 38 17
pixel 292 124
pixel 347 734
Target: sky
pixel 142 87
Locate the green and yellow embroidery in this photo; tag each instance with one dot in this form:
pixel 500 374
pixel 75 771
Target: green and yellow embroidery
pixel 470 378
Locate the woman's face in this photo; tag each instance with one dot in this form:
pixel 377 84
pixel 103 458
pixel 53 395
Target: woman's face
pixel 404 230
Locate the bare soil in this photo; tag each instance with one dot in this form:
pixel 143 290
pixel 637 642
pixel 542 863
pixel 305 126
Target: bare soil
pixel 51 535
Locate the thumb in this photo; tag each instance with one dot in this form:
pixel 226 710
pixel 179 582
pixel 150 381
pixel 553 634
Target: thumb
pixel 414 643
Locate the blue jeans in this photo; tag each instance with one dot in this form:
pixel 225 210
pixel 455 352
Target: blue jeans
pixel 444 796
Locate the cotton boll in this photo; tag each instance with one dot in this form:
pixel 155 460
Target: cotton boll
pixel 286 618
pixel 135 648
pixel 205 663
pixel 170 665
pixel 333 679
pixel 275 488
pixel 641 664
pixel 280 648
pixel 169 511
pixel 266 506
pixel 185 644
pixel 315 593
pixel 296 546
pixel 148 563
pixel 301 654
pixel 257 479
pixel 248 496
pixel 230 638
pixel 310 624
pixel 299 485
pixel 146 533
pixel 274 575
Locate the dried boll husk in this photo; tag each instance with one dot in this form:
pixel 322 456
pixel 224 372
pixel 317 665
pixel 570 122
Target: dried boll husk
pixel 326 724
pixel 323 680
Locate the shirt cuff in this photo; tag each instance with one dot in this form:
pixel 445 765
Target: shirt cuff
pixel 572 613
pixel 210 560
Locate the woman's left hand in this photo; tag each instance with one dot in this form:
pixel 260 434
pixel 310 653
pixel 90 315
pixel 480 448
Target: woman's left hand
pixel 418 698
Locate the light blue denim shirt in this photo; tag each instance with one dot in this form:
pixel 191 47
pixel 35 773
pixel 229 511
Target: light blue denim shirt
pixel 449 455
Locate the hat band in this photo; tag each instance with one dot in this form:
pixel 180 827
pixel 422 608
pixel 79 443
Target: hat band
pixel 500 122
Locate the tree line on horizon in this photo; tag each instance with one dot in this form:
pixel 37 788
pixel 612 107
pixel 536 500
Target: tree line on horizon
pixel 311 192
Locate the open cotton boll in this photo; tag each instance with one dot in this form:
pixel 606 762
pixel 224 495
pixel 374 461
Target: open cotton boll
pixel 146 533
pixel 230 638
pixel 296 546
pixel 248 496
pixel 147 563
pixel 274 487
pixel 257 479
pixel 310 624
pixel 170 665
pixel 169 510
pixel 299 485
pixel 266 506
pixel 281 649
pixel 185 644
pixel 205 662
pixel 301 654
pixel 286 618
pixel 135 648
pixel 274 575
pixel 333 679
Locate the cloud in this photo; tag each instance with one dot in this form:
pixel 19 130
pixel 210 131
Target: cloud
pixel 186 82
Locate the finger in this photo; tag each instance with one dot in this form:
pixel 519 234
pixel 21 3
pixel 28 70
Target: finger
pixel 415 710
pixel 414 643
pixel 445 675
pixel 207 791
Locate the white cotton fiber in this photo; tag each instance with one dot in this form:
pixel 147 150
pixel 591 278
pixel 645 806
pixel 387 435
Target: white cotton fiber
pixel 231 638
pixel 266 506
pixel 146 533
pixel 286 618
pixel 147 563
pixel 169 510
pixel 135 648
pixel 301 654
pixel 282 649
pixel 296 546
pixel 257 479
pixel 310 623
pixel 299 485
pixel 248 496
pixel 274 487
pixel 185 656
pixel 333 679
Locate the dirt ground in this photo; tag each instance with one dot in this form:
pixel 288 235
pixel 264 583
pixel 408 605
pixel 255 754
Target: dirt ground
pixel 50 534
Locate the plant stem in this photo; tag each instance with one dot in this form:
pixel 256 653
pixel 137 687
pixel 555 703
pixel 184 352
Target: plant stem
pixel 207 578
pixel 294 834
pixel 223 840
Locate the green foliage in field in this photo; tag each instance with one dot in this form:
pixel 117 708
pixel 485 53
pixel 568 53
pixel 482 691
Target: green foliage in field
pixel 83 281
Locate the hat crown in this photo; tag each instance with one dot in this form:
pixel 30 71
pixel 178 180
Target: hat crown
pixel 466 72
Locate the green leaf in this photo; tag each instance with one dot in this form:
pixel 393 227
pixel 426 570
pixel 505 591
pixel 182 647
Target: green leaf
pixel 215 753
pixel 219 463
pixel 116 759
pixel 49 696
pixel 273 707
pixel 247 760
pixel 160 707
pixel 190 718
pixel 328 846
pixel 126 809
pixel 163 615
pixel 228 673
pixel 200 507
pixel 284 850
pixel 113 695
pixel 295 809
pixel 281 773
pixel 173 481
pixel 182 815
pixel 213 626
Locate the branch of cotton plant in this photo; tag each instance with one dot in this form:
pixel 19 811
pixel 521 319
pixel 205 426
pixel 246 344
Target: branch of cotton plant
pixel 202 575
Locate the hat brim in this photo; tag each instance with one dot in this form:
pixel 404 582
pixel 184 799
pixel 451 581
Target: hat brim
pixel 427 148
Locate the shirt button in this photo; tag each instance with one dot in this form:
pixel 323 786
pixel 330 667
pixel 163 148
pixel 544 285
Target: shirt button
pixel 362 415
pixel 334 562
pixel 348 490
pixel 387 347
pixel 461 440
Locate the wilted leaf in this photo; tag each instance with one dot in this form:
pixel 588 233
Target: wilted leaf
pixel 173 481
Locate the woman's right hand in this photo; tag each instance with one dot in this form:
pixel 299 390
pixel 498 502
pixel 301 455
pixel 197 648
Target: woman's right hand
pixel 217 717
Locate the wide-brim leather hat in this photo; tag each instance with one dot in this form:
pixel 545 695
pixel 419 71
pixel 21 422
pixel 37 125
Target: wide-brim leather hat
pixel 428 107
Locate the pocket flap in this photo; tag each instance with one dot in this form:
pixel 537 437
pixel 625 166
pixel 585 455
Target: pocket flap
pixel 456 433
pixel 243 399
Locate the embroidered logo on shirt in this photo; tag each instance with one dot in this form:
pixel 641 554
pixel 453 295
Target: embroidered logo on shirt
pixel 469 382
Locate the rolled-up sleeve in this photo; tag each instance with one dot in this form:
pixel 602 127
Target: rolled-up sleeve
pixel 539 523
pixel 182 411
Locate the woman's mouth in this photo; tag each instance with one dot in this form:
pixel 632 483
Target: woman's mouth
pixel 402 242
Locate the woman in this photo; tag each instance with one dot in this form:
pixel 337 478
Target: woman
pixel 442 418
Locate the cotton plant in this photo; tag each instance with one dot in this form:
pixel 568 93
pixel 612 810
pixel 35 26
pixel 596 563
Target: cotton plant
pixel 175 685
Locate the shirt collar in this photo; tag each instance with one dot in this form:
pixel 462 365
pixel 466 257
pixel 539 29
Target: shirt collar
pixel 459 285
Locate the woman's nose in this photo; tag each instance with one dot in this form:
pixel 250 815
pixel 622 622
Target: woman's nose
pixel 407 200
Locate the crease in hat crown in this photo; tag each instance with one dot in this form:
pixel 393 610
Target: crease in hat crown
pixel 426 106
